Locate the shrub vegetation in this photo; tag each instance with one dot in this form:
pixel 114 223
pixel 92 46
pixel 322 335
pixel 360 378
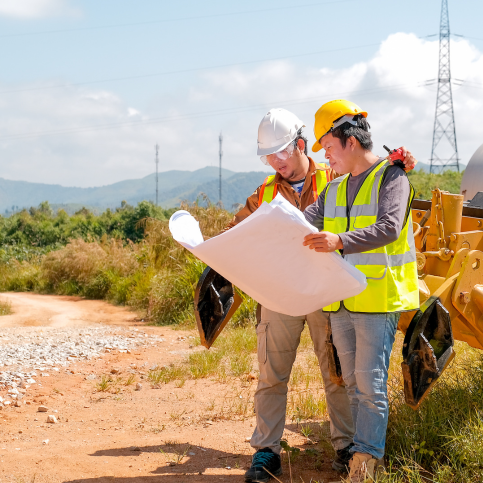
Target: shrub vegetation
pixel 424 182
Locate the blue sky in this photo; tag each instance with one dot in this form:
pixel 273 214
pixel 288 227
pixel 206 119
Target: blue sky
pixel 88 87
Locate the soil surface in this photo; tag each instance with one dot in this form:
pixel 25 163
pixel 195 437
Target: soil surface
pixel 131 431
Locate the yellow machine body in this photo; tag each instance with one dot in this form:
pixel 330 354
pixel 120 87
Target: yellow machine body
pixel 450 262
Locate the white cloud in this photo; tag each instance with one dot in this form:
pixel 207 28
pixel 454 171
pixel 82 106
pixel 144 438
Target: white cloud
pixel 389 86
pixel 35 8
pixel 386 85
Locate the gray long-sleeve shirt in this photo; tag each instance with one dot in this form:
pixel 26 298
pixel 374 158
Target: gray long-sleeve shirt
pixel 391 214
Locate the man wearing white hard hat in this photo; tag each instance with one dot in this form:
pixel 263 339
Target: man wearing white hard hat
pixel 282 145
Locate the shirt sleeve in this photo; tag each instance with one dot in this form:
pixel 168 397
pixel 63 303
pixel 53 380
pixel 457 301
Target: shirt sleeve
pixel 394 197
pixel 251 206
pixel 314 213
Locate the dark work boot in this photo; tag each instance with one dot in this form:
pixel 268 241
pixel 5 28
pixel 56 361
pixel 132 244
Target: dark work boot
pixel 263 458
pixel 342 458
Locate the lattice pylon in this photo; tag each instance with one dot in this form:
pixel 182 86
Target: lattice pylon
pixel 444 124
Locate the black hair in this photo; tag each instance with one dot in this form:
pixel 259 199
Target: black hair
pixel 360 132
pixel 303 138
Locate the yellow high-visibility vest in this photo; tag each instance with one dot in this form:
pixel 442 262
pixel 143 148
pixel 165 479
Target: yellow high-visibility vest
pixel 268 191
pixel 391 271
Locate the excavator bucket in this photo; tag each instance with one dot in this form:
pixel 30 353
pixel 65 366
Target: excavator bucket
pixel 427 350
pixel 215 303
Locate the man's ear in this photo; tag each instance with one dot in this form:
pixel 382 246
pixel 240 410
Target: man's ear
pixel 352 142
pixel 301 145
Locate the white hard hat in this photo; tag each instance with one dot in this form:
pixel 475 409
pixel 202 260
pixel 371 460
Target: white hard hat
pixel 277 130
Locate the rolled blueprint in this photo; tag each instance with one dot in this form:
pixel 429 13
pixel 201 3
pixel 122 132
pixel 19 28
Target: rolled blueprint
pixel 264 256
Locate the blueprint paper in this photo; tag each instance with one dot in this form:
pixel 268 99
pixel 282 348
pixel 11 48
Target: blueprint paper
pixel 185 229
pixel 264 256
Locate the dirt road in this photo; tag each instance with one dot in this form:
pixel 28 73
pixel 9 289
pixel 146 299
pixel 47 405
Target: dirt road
pixel 62 311
pixel 187 432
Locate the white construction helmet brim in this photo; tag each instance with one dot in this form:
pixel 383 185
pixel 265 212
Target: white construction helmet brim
pixel 277 130
pixel 274 149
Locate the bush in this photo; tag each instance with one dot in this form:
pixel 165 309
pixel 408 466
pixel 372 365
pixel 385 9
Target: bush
pixel 39 227
pixel 424 182
pixel 20 276
pixel 171 296
pixel 89 268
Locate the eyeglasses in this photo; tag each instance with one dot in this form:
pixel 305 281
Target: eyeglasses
pixel 283 155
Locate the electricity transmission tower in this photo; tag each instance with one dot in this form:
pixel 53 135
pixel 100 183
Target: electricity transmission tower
pixel 220 139
pixel 157 163
pixel 444 125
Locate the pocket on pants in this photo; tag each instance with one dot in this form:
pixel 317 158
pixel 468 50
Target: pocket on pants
pixel 262 342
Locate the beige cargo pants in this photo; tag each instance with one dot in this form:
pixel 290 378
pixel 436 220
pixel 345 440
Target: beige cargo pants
pixel 278 337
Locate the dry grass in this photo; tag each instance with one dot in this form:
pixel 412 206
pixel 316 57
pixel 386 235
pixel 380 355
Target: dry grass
pixel 5 307
pixel 114 385
pixel 236 405
pixel 164 251
pixel 88 266
pixel 20 275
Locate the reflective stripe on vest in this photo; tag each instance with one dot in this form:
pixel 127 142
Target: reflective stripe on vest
pixel 269 189
pixel 391 271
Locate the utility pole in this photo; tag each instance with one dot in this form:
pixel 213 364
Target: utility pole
pixel 444 124
pixel 220 139
pixel 157 163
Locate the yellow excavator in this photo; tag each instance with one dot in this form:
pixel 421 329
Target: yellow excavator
pixel 448 235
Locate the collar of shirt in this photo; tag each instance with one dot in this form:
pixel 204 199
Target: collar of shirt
pixel 313 168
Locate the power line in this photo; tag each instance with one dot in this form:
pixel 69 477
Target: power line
pixel 184 71
pixel 178 19
pixel 216 112
pixel 468 37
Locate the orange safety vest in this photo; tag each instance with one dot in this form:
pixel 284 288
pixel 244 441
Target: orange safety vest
pixel 268 191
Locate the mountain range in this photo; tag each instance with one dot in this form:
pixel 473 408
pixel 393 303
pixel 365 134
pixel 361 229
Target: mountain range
pixel 173 187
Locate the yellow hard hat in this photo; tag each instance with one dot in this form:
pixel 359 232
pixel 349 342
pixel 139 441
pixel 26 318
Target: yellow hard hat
pixel 330 112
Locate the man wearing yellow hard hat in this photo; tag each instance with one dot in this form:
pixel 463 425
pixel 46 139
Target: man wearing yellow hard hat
pixel 365 214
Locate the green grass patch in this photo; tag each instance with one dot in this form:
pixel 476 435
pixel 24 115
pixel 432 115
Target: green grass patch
pixel 232 355
pixel 167 374
pixel 445 436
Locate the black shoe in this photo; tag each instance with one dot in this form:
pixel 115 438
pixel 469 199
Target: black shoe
pixel 263 458
pixel 342 458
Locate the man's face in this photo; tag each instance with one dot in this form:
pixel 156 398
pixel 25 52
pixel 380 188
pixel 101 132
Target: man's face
pixel 291 168
pixel 339 157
